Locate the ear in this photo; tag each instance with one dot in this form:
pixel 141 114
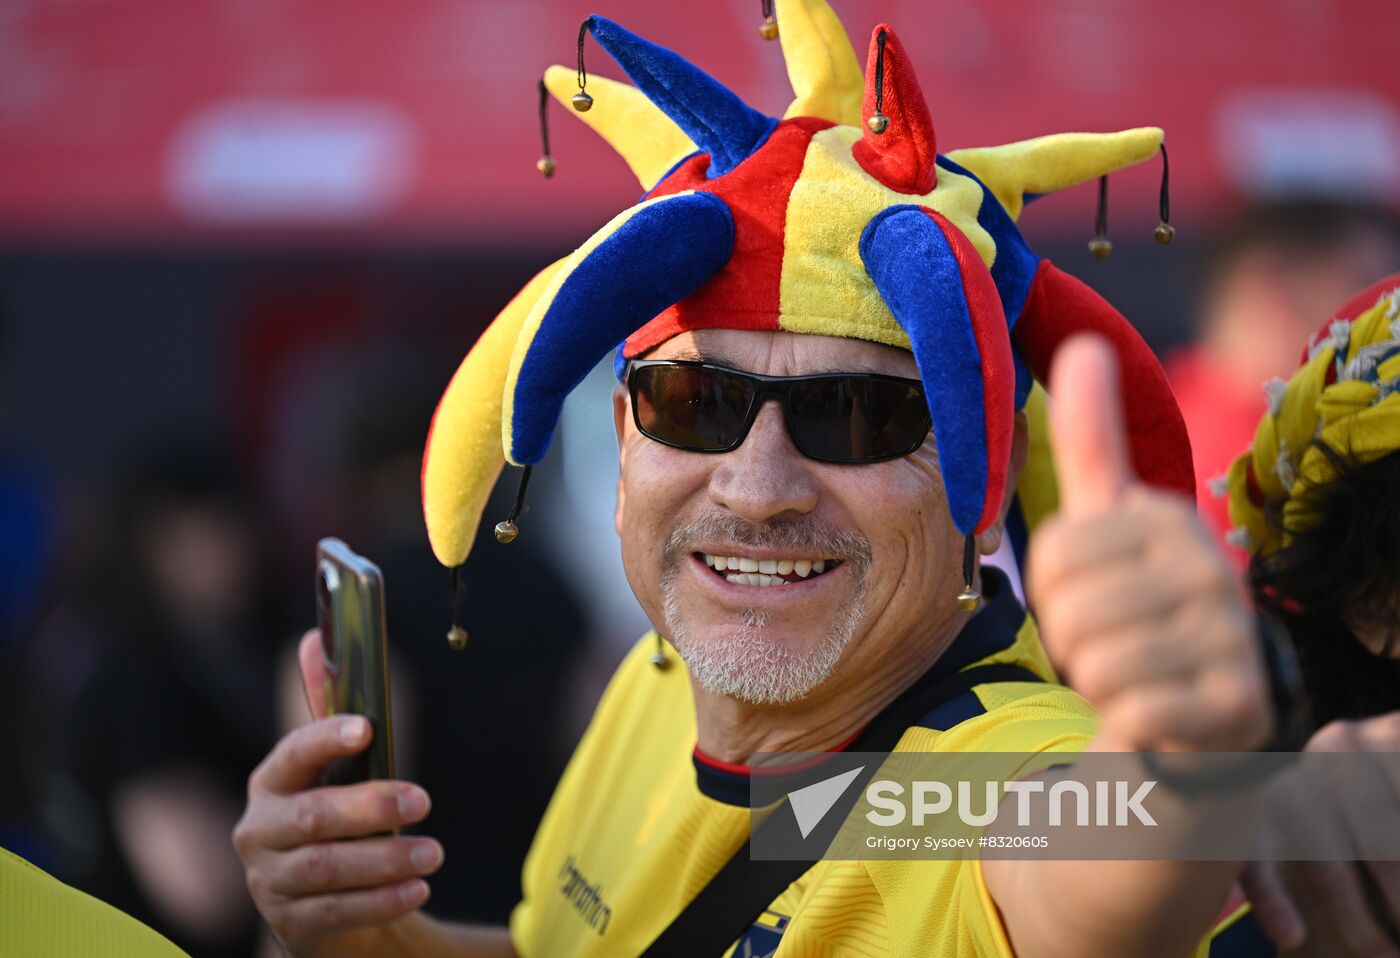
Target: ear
pixel 989 540
pixel 622 411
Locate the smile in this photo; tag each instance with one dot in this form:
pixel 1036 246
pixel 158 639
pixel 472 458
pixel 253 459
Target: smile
pixel 748 570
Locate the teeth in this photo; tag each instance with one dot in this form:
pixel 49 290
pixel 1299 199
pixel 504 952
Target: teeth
pixel 754 578
pixel 765 571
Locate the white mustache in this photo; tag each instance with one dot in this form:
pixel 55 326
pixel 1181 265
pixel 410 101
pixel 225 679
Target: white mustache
pixel 795 536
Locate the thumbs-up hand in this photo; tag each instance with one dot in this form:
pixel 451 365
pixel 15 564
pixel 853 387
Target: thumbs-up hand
pixel 1137 607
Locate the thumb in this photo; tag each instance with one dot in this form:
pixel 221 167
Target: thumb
pixel 313 672
pixel 1086 420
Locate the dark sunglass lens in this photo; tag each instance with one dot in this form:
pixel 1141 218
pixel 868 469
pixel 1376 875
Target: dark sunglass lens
pixel 693 407
pixel 849 419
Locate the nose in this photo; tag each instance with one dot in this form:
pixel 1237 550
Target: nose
pixel 766 476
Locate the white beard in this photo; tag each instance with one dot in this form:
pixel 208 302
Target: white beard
pixel 749 665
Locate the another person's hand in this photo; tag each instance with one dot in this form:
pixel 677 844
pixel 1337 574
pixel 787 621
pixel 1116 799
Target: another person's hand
pixel 319 867
pixel 1138 609
pixel 1324 908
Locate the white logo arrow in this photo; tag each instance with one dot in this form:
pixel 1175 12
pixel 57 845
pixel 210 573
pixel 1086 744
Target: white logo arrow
pixel 811 803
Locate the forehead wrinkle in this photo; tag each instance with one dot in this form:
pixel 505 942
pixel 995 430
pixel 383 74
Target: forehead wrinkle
pixel 717 357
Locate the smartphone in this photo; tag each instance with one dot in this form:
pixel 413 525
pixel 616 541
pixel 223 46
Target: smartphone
pixel 354 646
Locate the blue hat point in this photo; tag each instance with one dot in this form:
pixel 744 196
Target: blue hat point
pixel 714 118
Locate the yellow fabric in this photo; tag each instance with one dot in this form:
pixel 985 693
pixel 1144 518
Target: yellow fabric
pixel 41 916
pixel 822 67
pixel 824 288
pixel 531 325
pixel 1049 163
pixel 1357 416
pixel 1232 919
pixel 628 820
pixel 629 122
pixel 1038 490
pixel 463 456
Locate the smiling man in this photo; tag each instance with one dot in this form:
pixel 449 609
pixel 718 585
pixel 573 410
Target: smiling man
pixel 763 564
pixel 830 338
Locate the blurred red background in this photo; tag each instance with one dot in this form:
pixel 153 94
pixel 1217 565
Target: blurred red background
pixel 356 118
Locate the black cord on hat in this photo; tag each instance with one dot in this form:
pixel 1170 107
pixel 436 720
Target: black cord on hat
pixel 1164 232
pixel 968 598
pixel 457 636
pixel 878 122
pixel 545 164
pixel 581 100
pixel 1100 245
pixel 507 531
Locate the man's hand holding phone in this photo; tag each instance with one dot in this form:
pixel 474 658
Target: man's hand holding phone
pixel 320 868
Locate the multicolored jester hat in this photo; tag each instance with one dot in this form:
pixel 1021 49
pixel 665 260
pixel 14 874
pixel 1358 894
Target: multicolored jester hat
pixel 840 219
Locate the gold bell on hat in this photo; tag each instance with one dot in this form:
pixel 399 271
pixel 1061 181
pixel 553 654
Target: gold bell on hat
pixel 768 29
pixel 457 638
pixel 507 530
pixel 545 165
pixel 1101 247
pixel 1165 233
pixel 582 101
pixel 878 123
pixel 969 598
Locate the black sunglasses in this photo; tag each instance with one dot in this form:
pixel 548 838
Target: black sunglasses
pixel 832 417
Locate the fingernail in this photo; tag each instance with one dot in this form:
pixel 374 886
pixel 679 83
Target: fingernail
pixel 352 731
pixel 414 893
pixel 426 857
pixel 413 804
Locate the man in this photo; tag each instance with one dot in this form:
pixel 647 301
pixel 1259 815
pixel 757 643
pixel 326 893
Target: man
pixel 818 434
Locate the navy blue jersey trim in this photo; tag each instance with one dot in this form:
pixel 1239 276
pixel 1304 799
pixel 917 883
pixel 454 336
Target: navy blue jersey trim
pixel 954 711
pixel 731 788
pixel 990 631
pixel 1242 939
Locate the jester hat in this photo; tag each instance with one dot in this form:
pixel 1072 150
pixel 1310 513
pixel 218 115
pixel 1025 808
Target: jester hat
pixel 842 219
pixel 1345 396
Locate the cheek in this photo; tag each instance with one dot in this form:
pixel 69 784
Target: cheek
pixel 659 486
pixel 899 506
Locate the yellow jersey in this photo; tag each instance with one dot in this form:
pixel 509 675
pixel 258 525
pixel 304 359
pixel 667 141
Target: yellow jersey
pixel 639 823
pixel 41 916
